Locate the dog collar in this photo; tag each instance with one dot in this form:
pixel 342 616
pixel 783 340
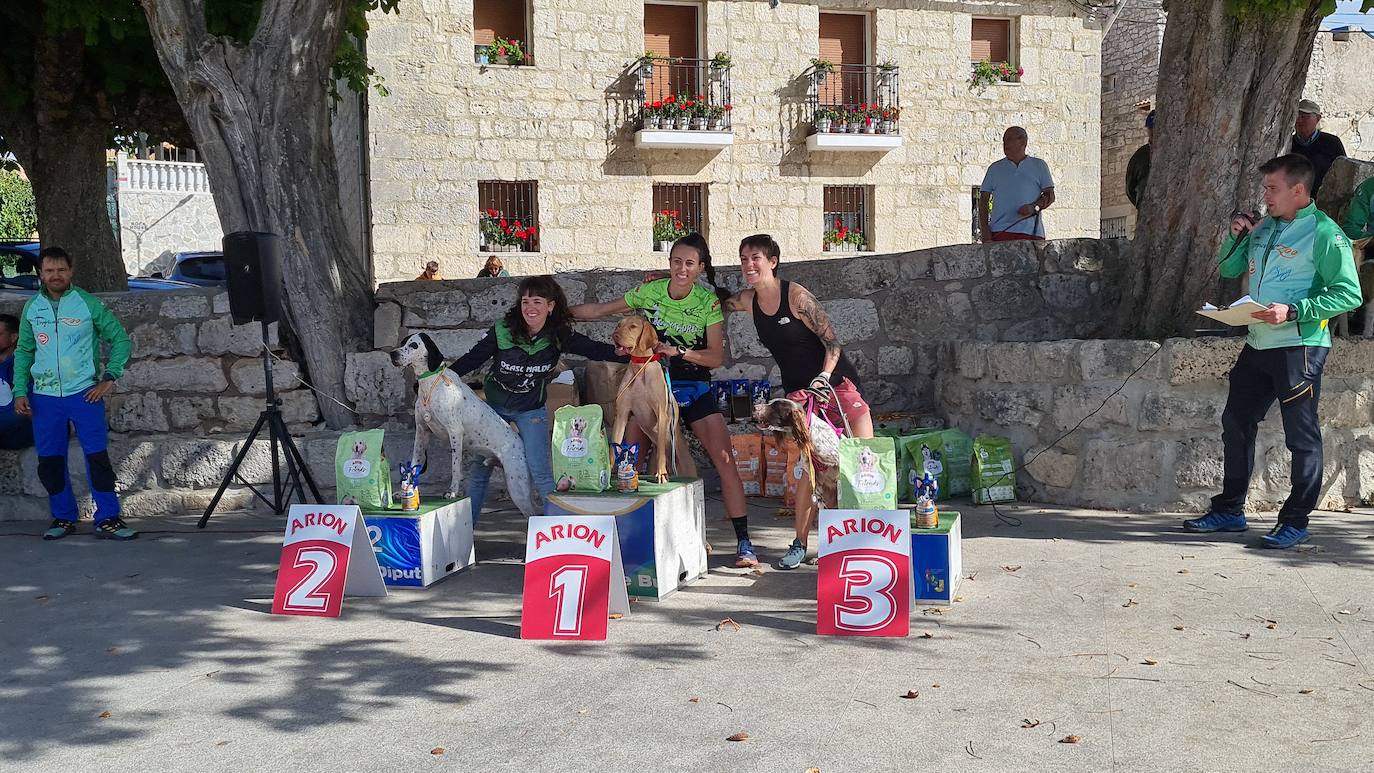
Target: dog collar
pixel 427 374
pixel 642 360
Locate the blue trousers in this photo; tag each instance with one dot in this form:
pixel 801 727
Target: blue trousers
pixel 51 417
pixel 16 431
pixel 536 436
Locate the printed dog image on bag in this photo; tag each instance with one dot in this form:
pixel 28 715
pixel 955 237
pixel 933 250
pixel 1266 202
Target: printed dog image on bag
pixel 581 454
pixel 626 466
pixel 362 474
pixel 868 474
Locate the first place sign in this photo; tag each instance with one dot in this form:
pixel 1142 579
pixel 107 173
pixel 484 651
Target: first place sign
pixel 326 552
pixel 864 579
pixel 573 577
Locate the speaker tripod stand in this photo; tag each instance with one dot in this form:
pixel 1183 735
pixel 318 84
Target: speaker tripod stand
pixel 284 454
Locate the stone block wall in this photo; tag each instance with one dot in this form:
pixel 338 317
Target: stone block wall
pixel 155 225
pixel 1155 445
pixel 564 122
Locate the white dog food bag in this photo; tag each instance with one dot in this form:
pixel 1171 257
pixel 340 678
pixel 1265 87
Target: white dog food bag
pixel 581 454
pixel 868 474
pixel 362 475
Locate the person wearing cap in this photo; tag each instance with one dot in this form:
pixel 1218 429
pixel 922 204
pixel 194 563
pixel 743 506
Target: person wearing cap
pixel 1138 168
pixel 1319 147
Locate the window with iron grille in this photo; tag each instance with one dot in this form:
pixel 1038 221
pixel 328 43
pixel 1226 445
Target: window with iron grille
pixel 679 209
pixel 508 216
pixel 506 19
pixel 1114 228
pixel 847 225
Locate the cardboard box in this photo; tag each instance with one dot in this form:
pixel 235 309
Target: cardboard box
pixel 417 549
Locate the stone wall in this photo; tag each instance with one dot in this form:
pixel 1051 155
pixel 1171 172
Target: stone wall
pixel 155 225
pixel 563 122
pixel 1157 444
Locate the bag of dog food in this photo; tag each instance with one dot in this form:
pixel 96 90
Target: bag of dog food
pixel 748 453
pixel 994 478
pixel 796 470
pixel 775 465
pixel 925 453
pixel 362 475
pixel 958 463
pixel 581 455
pixel 868 474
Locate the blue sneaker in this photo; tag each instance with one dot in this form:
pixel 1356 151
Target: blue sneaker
pixel 745 556
pixel 1216 522
pixel 1284 536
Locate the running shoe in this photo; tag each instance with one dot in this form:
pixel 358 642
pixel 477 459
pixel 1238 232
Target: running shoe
pixel 745 556
pixel 1284 536
pixel 793 557
pixel 114 528
pixel 59 529
pixel 1215 521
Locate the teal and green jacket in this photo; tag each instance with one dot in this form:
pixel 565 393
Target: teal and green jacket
pixel 1358 223
pixel 1305 263
pixel 59 344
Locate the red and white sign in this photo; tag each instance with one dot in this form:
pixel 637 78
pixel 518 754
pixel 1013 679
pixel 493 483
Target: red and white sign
pixel 864 583
pixel 326 552
pixel 573 577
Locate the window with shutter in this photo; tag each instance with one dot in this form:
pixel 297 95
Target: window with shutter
pixel 509 214
pixel 671 31
pixel 681 204
pixel 492 19
pixel 844 41
pixel 990 41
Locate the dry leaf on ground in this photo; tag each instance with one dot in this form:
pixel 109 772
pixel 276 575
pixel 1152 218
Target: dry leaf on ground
pixel 616 615
pixel 1305 691
pixel 738 737
pixel 813 770
pixel 104 715
pixel 1070 739
pixel 1130 603
pixel 727 621
pixel 1029 723
pixel 438 750
pixel 927 635
pixel 1178 628
pixel 1150 662
pixel 911 695
pixel 694 700
pixel 1012 568
pixel 222 743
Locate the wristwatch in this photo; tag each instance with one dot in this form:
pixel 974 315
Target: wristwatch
pixel 1292 315
pixel 681 350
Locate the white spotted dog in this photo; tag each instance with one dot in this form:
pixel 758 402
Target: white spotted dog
pixel 446 407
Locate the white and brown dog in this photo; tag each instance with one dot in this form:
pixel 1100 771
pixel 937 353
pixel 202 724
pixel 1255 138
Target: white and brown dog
pixel 816 438
pixel 446 407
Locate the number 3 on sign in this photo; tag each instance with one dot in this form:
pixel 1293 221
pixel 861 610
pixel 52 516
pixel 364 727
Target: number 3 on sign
pixel 566 588
pixel 864 586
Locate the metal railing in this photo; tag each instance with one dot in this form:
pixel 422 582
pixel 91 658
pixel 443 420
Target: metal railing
pixel 846 97
pixel 680 93
pixel 167 176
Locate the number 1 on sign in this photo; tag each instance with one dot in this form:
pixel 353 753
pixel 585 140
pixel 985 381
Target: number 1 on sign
pixel 566 587
pixel 867 602
pixel 305 596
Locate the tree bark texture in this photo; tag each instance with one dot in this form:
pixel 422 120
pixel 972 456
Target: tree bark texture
pixel 259 113
pixel 62 149
pixel 1227 96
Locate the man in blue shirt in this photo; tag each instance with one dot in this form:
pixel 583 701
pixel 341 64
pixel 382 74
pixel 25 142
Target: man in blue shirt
pixel 1019 188
pixel 15 431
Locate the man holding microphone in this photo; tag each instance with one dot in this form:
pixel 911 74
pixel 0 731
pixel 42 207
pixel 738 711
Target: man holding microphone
pixel 1299 265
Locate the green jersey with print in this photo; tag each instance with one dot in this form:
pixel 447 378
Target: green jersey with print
pixel 679 321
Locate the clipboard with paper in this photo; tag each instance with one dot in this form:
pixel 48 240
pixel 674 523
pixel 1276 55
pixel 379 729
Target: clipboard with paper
pixel 1237 314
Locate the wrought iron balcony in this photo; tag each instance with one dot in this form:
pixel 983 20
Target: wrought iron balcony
pixel 854 107
pixel 683 103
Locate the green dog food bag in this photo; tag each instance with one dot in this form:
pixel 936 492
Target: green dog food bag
pixel 868 474
pixel 925 453
pixel 581 454
pixel 994 478
pixel 958 464
pixel 362 475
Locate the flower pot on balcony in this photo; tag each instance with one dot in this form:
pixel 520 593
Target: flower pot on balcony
pixel 682 122
pixel 885 77
pixel 699 124
pixel 889 127
pixel 870 127
pixel 652 122
pixel 483 59
pixel 822 125
pixel 840 127
pixel 717 124
pixel 665 247
pixel 717 73
pixel 855 127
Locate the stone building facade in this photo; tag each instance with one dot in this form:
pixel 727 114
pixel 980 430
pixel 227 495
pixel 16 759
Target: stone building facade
pixel 1338 79
pixel 567 122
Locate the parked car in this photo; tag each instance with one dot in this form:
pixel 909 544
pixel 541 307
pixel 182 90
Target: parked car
pixel 22 279
pixel 205 269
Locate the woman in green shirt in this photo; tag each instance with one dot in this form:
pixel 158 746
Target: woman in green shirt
pixel 690 327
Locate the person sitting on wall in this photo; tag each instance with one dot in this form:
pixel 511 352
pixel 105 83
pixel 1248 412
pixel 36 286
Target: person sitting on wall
pixel 431 272
pixel 493 268
pixel 16 431
pixel 60 334
pixel 1019 188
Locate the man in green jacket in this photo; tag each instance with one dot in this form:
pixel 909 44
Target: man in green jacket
pixel 1358 223
pixel 1301 269
pixel 60 331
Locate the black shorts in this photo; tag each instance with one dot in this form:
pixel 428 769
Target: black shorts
pixel 699 409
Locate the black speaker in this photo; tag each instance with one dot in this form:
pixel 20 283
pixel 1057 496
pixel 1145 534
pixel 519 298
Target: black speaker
pixel 252 266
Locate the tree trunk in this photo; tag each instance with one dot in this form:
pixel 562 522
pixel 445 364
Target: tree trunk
pixel 260 117
pixel 1227 95
pixel 64 157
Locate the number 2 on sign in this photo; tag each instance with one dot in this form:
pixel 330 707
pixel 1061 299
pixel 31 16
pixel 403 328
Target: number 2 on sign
pixel 565 588
pixel 305 596
pixel 868 603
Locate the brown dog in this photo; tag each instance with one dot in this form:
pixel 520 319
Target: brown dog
pixel 643 398
pixel 819 444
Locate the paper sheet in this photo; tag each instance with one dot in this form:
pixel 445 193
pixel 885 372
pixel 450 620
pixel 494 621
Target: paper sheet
pixel 1237 314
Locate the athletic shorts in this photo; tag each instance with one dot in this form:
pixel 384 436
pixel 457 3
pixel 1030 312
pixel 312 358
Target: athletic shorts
pixel 700 408
pixel 848 400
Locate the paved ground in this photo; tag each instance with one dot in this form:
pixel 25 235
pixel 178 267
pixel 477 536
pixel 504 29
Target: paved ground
pixel 1160 651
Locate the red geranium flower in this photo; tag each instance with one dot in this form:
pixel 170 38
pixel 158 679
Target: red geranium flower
pixel 728 107
pixel 492 213
pixel 530 230
pixel 670 99
pixel 701 98
pixel 839 223
pixel 502 223
pixel 672 213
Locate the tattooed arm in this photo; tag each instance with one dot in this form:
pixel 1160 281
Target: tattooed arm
pixel 809 311
pixel 740 301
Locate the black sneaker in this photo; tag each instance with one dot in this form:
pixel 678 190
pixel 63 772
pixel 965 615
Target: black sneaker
pixel 59 529
pixel 114 528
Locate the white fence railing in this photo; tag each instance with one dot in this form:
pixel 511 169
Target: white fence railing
pixel 168 176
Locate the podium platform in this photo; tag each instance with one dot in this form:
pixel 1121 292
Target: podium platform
pixel 417 549
pixel 662 531
pixel 937 559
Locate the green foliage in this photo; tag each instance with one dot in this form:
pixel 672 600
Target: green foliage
pixel 1243 9
pixel 18 217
